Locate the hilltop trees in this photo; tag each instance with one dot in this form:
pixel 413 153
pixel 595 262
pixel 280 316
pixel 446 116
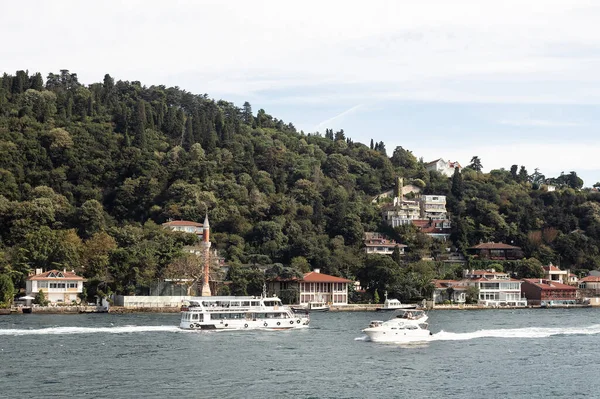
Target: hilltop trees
pixel 476 164
pixel 89 172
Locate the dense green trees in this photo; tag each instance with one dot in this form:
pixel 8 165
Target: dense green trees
pixel 88 174
pixel 7 291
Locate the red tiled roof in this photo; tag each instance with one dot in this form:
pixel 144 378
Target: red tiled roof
pixel 182 223
pixel 590 279
pixel 314 277
pixel 549 285
pixel 494 245
pixel 477 272
pixel 44 276
pixel 551 268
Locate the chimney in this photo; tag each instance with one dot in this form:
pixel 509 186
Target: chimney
pixel 38 271
pixel 317 270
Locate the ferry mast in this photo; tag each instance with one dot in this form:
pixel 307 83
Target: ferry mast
pixel 206 246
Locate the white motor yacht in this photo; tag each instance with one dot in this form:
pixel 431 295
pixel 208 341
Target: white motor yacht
pixel 406 326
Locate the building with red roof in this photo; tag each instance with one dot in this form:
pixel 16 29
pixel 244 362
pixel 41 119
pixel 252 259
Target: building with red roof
pixel 494 288
pixel 590 283
pixel 377 243
pixel 554 273
pixel 186 226
pixel 314 287
pixel 58 286
pixel 444 167
pixel 449 290
pixel 548 292
pixel 496 251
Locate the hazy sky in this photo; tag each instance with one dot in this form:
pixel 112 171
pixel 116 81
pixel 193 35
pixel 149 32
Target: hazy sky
pixel 513 82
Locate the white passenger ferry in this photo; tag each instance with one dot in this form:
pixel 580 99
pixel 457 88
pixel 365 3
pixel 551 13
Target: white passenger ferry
pixel 240 313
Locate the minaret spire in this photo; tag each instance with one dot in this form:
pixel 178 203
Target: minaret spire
pixel 206 245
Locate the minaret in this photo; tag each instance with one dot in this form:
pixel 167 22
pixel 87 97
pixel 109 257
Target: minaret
pixel 206 245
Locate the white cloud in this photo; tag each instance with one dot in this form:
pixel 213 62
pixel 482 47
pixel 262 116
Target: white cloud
pixel 243 47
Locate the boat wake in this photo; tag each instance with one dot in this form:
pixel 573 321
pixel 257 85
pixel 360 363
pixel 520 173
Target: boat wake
pixel 89 330
pixel 530 332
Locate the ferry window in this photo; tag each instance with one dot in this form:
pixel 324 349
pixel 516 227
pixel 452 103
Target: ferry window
pixel 245 303
pixel 255 303
pixel 195 316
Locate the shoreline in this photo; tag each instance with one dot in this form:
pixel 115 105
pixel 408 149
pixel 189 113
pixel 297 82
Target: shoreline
pixel 344 308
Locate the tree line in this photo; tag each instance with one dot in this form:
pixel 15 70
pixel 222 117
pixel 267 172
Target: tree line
pixel 88 173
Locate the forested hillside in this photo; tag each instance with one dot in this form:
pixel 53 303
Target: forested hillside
pixel 88 174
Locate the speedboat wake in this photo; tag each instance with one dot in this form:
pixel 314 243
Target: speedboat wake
pixel 89 330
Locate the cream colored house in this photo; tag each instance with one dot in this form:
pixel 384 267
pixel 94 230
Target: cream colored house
pixel 554 273
pixel 58 286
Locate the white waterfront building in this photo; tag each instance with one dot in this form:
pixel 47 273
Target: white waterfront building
pixel 58 286
pixel 495 288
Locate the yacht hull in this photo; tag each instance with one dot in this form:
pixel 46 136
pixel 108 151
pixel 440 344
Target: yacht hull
pixel 391 335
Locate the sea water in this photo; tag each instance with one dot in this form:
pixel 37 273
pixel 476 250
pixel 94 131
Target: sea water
pixel 528 353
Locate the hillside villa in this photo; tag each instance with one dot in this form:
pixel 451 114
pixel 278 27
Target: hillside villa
pixel 378 243
pixel 444 167
pixel 496 251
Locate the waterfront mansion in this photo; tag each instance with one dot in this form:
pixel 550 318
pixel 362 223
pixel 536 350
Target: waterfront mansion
pixel 58 286
pixel 494 289
pixel 315 287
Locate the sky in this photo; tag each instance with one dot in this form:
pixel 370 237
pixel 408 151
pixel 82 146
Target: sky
pixel 512 82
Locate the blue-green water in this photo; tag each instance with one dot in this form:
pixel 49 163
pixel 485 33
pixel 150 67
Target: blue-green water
pixel 533 353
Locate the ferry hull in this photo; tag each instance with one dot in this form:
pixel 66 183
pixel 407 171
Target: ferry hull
pixel 285 324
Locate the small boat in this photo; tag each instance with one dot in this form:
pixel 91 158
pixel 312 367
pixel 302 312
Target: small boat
pixel 318 307
pixel 394 304
pixel 406 326
pixel 240 313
